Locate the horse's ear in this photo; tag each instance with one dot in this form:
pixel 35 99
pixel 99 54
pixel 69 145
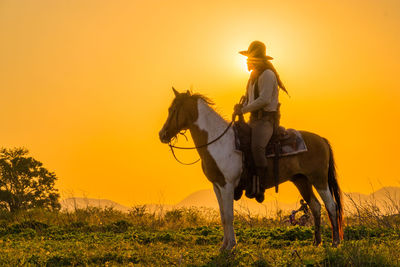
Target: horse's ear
pixel 175 92
pixel 188 92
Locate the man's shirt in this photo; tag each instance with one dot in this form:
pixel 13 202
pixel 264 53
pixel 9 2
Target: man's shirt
pixel 267 91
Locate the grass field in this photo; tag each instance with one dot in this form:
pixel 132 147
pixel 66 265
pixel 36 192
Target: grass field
pixel 187 237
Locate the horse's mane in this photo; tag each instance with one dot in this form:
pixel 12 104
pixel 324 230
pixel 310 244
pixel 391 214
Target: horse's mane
pixel 202 97
pixel 197 96
pixel 208 101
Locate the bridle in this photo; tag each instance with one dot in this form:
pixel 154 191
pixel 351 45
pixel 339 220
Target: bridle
pixel 194 147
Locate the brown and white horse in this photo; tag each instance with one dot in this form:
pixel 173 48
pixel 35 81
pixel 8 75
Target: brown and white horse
pixel 222 164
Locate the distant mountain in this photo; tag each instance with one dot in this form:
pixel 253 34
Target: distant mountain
pixel 73 203
pixel 70 204
pixel 387 192
pixel 206 198
pixel 383 199
pixel 202 198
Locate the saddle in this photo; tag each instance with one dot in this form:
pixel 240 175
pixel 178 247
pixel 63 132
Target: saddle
pixel 284 142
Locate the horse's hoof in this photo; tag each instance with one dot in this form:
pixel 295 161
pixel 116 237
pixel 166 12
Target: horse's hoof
pixel 316 242
pixel 231 246
pixel 222 248
pixel 335 244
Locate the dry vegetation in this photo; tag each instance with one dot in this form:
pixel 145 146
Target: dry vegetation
pixel 191 237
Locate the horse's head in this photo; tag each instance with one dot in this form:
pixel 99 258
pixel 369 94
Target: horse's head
pixel 181 114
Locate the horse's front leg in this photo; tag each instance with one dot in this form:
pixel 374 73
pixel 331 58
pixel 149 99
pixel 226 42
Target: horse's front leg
pixel 225 200
pixel 221 212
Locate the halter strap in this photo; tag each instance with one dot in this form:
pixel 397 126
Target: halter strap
pixel 209 143
pixel 183 163
pixel 196 147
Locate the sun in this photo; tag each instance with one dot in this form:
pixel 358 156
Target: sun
pixel 243 63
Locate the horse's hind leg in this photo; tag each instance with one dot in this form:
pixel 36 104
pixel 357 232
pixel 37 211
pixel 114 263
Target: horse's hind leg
pixel 305 188
pixel 330 206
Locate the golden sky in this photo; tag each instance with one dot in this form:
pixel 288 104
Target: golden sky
pixel 85 85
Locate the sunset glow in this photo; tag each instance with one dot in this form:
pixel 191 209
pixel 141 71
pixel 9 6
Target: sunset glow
pixel 85 85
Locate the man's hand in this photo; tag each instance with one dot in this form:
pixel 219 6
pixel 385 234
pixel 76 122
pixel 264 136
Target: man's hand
pixel 237 110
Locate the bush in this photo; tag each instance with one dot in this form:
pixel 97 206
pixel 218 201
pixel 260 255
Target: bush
pixel 120 226
pixel 33 225
pixel 174 215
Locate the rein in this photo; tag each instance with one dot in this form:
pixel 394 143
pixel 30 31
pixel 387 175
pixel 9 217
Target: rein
pixel 196 147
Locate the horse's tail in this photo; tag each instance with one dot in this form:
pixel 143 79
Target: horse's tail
pixel 335 190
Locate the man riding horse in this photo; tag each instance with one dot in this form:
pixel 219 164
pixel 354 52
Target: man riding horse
pixel 261 100
pixel 308 167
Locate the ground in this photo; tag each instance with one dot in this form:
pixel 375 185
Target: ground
pixel 183 237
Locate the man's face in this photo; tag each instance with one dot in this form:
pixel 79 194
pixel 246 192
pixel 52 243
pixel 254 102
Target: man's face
pixel 250 65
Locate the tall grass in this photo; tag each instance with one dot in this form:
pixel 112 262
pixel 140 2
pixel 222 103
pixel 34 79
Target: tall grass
pixel 371 214
pixel 374 213
pixel 191 237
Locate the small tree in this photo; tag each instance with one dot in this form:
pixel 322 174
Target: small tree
pixel 24 183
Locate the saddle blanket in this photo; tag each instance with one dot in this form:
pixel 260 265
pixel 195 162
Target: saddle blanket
pixel 291 141
pixel 294 145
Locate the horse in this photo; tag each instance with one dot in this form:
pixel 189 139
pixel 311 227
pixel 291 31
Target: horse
pixel 222 164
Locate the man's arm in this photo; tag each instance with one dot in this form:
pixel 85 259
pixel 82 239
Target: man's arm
pixel 266 83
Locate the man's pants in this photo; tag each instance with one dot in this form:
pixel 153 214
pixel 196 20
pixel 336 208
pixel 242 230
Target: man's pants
pixel 261 132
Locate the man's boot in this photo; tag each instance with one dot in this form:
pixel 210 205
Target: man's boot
pixel 239 189
pixel 260 190
pixel 250 187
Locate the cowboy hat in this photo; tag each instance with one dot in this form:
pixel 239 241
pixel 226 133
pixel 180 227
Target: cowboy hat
pixel 256 50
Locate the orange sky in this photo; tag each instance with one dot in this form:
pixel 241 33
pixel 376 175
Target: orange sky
pixel 85 85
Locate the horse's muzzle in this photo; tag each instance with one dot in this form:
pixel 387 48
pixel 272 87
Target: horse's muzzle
pixel 163 136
